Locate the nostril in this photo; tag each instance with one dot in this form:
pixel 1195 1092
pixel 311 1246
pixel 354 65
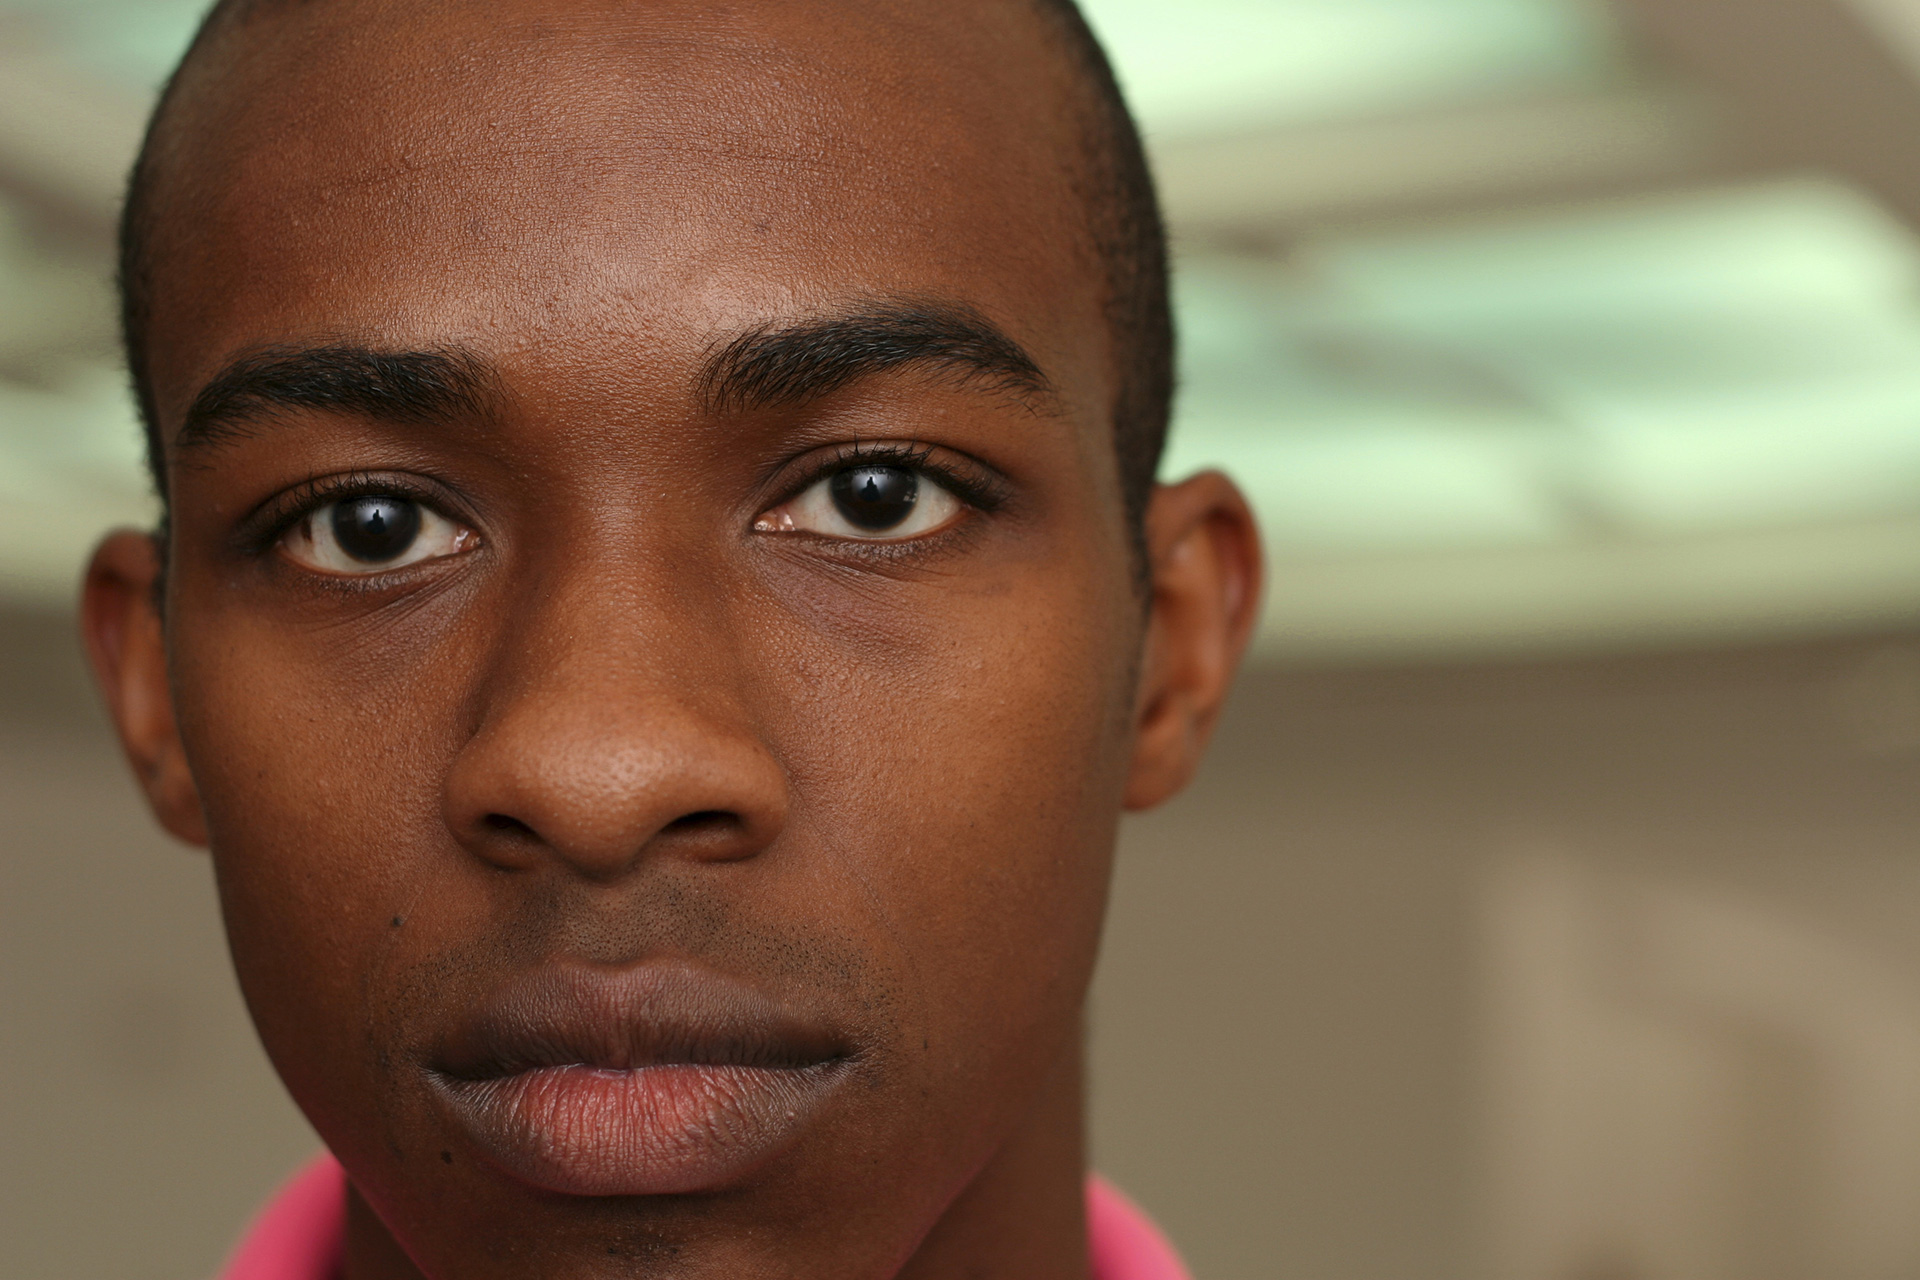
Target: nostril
pixel 508 826
pixel 704 822
pixel 715 834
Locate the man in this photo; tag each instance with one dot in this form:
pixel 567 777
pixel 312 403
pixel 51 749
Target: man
pixel 663 602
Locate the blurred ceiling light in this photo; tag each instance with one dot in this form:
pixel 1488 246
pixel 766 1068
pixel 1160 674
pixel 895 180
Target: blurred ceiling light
pixel 1230 188
pixel 1592 424
pixel 1210 66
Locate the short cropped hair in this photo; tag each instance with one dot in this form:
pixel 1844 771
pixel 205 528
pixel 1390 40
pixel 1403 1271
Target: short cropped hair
pixel 1111 178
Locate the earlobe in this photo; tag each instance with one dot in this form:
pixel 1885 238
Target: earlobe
pixel 126 646
pixel 1204 556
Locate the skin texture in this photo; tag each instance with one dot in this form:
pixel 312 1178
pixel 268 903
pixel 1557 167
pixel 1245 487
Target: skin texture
pixel 628 726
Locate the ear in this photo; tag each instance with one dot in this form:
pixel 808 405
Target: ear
pixel 126 644
pixel 1204 555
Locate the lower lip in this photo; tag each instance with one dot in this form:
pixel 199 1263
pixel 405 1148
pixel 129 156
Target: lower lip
pixel 658 1130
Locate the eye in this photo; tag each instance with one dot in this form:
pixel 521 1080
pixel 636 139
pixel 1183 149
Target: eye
pixel 871 502
pixel 371 533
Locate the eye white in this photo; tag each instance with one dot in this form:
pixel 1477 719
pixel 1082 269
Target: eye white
pixel 816 510
pixel 314 542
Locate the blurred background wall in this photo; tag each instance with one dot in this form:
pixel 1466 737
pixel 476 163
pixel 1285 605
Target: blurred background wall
pixel 1547 909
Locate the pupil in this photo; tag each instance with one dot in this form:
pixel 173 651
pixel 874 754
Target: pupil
pixel 375 529
pixel 875 498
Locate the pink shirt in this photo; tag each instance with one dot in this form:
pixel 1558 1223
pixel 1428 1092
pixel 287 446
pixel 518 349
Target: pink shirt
pixel 299 1234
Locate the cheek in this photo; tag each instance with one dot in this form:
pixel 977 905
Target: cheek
pixel 317 751
pixel 318 760
pixel 968 758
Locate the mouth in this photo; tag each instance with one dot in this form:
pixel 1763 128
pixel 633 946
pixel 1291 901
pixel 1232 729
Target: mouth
pixel 651 1080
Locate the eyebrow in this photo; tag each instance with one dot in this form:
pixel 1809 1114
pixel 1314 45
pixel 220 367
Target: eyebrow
pixel 777 364
pixel 438 385
pixel 783 364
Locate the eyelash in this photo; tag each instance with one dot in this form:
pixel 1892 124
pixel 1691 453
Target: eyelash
pixel 975 486
pixel 264 529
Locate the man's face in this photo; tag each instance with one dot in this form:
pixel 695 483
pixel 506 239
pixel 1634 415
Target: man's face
pixel 656 667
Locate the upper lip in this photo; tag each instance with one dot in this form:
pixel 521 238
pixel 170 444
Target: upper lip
pixel 623 1019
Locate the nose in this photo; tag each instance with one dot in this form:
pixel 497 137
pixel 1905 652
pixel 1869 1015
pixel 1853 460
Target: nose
pixel 602 742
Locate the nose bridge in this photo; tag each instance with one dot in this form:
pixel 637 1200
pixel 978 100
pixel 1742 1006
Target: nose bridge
pixel 612 720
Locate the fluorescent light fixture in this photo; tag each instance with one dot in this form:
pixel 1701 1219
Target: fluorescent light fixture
pixel 1588 388
pixel 1207 65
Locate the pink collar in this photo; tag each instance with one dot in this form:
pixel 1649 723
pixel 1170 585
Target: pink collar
pixel 298 1236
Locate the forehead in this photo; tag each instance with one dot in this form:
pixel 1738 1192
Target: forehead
pixel 533 173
